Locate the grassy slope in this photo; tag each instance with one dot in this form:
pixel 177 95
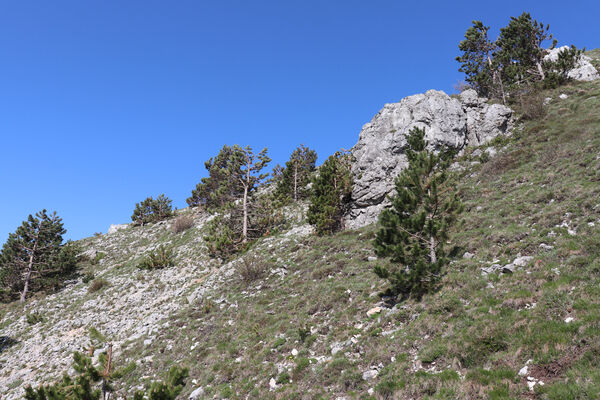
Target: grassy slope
pixel 469 340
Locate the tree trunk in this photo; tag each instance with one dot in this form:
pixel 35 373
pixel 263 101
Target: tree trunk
pixel 540 70
pixel 295 182
pixel 27 278
pixel 432 255
pixel 30 266
pixel 106 374
pixel 245 208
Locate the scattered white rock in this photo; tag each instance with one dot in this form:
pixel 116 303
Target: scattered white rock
pixel 198 393
pixel 563 96
pixel 336 348
pixel 272 383
pixel 374 310
pixel 546 246
pixel 370 374
pixel 522 261
pixel 569 320
pixel 294 352
pixel 583 71
pixel 468 255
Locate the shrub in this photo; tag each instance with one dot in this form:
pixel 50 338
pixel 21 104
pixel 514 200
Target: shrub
pixel 88 277
pixel 162 257
pixel 152 210
pixel 99 256
pixel 182 224
pixel 97 284
pixel 251 269
pixel 34 317
pixel 532 105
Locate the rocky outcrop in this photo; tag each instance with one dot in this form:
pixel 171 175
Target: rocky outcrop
pixel 583 71
pixel 379 153
pixel 116 227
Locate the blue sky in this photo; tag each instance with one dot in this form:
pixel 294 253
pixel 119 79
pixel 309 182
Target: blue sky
pixel 103 103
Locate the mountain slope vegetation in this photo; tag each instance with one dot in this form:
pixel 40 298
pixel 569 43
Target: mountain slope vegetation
pixel 299 316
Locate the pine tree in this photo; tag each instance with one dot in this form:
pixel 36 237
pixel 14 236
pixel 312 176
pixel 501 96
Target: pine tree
pixel 520 50
pixel 218 189
pixel 296 175
pixel 152 210
pixel 330 193
pixel 34 255
pixel 234 177
pixel 415 228
pixel 481 70
pixel 96 382
pixel 251 178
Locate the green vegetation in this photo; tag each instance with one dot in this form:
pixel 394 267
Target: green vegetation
pixel 234 178
pixel 34 257
pixel 95 382
pixel 467 340
pixel 513 65
pixel 292 181
pixel 152 210
pixel 162 257
pixel 414 230
pixel 97 284
pixel 330 193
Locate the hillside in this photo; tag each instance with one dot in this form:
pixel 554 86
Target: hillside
pixel 517 317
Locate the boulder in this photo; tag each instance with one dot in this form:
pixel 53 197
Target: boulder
pixel 379 155
pixel 583 71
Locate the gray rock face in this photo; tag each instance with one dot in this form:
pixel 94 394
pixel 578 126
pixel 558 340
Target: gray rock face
pixel 379 153
pixel 583 71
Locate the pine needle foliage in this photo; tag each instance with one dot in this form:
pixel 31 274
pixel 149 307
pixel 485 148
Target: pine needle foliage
pixel 162 257
pixel 414 230
pixel 514 63
pixel 295 177
pixel 232 190
pixel 152 210
pixel 34 257
pixel 96 382
pixel 330 194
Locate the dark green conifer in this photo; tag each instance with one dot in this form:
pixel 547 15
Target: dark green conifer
pixel 414 230
pixel 330 193
pixel 295 177
pixel 34 257
pixel 152 210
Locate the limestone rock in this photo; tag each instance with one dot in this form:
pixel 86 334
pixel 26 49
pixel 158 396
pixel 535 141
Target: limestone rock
pixel 380 152
pixel 583 71
pixel 116 227
pixel 370 374
pixel 197 394
pixel 374 310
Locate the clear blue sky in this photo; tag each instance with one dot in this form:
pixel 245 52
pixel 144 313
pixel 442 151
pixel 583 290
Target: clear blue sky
pixel 106 102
